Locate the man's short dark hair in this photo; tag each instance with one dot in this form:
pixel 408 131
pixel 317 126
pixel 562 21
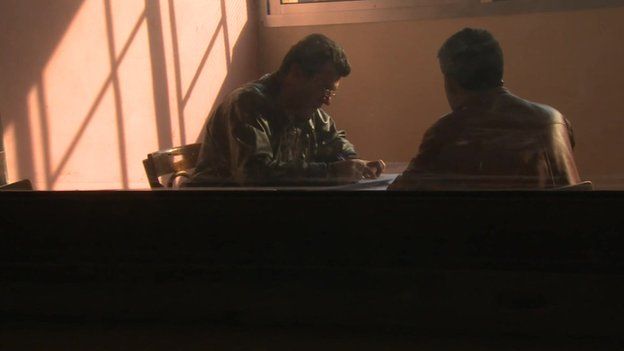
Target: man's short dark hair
pixel 473 58
pixel 312 53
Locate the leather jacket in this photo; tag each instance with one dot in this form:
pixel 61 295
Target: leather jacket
pixel 494 141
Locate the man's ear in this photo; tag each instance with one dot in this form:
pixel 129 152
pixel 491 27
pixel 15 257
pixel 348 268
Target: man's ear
pixel 455 94
pixel 450 85
pixel 296 71
pixel 292 75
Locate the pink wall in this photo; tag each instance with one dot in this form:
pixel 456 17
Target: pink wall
pixel 88 88
pixel 572 60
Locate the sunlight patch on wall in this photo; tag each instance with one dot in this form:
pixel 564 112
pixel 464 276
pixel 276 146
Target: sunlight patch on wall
pixel 94 114
pixel 197 24
pixel 126 14
pixel 207 87
pixel 95 163
pixel 204 63
pixel 82 131
pixel 137 98
pixel 237 18
pixel 76 79
pixel 38 148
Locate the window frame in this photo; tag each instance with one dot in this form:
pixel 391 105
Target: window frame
pixel 284 15
pixel 276 14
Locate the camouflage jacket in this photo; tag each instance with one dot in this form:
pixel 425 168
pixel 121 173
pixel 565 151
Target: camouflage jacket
pixel 250 141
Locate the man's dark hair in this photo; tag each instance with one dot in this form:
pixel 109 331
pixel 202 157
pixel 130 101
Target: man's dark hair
pixel 312 53
pixel 473 58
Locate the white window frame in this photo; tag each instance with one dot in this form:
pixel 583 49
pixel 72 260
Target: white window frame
pixel 276 14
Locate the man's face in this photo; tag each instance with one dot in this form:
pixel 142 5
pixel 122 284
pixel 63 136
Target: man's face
pixel 319 89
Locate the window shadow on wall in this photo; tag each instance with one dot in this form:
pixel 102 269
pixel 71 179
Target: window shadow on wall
pixel 239 57
pixel 32 31
pixel 28 38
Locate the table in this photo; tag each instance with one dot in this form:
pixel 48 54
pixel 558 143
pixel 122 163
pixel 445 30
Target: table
pixel 521 263
pixel 379 184
pixel 392 171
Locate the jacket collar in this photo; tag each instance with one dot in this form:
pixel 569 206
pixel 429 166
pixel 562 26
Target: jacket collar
pixel 483 98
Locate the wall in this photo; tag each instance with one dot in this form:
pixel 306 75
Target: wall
pixel 571 60
pixel 89 87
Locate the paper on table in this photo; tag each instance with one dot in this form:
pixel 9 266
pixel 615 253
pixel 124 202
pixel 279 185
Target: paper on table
pixel 380 183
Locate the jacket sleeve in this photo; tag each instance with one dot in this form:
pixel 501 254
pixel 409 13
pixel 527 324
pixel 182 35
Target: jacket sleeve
pixel 252 159
pixel 415 175
pixel 559 154
pixel 332 143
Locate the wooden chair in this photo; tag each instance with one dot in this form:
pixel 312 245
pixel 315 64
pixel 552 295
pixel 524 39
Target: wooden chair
pixel 23 184
pixel 166 168
pixel 582 186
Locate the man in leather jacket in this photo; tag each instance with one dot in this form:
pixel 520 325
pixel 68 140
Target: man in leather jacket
pixel 492 139
pixel 274 132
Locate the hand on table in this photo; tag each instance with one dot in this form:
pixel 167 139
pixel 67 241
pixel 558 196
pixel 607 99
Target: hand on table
pixel 353 170
pixel 375 169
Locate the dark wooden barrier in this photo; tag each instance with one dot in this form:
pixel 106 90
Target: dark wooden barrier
pixel 517 262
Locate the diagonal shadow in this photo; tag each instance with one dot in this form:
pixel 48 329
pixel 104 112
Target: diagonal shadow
pixel 45 130
pixel 183 100
pixel 200 68
pixel 226 35
pixel 152 15
pixel 55 175
pixel 117 94
pixel 28 36
pixel 226 87
pixel 177 71
pixel 159 74
pixel 238 60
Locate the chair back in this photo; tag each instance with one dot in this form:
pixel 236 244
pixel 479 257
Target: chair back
pixel 171 164
pixel 582 186
pixel 20 185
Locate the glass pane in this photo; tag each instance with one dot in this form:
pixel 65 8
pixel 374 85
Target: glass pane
pixel 310 1
pixel 90 88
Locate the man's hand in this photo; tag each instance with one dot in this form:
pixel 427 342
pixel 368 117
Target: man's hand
pixel 376 168
pixel 354 170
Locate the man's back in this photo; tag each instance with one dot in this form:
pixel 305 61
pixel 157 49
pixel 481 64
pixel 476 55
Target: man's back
pixel 494 141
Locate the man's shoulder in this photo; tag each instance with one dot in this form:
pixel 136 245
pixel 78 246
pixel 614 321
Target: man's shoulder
pixel 534 112
pixel 246 102
pixel 548 113
pixel 447 121
pixel 256 91
pixel 251 92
